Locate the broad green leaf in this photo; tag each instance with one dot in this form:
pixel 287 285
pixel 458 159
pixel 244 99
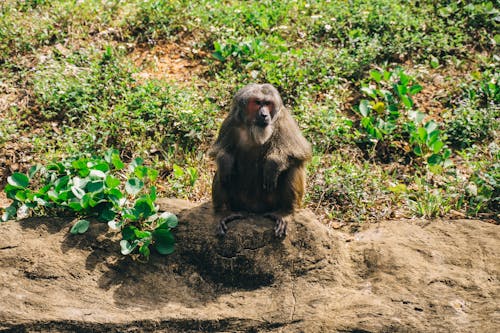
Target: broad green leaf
pixel 364 108
pixel 108 154
pixel 430 126
pixel 75 205
pixel 95 186
pixel 436 147
pixel 134 186
pixel 112 182
pixel 416 116
pixel 407 101
pixel 178 172
pixel 117 162
pixel 144 250
pixel 78 192
pixel 135 163
pixel 417 150
pixel 127 247
pixel 164 241
pixel 59 167
pixel 140 234
pixel 97 174
pixel 404 79
pixel 167 220
pixel 107 214
pixel 422 134
pixel 87 201
pixel 104 167
pixel 11 191
pixel 152 194
pixel 369 92
pixel 9 213
pixel 80 164
pixel 446 154
pixel 34 169
pixel 415 89
pixel 144 206
pixel 140 171
pixel 128 233
pixel 80 182
pixel 21 195
pixel 61 183
pixel 218 55
pixel 80 227
pixel 19 180
pixel 376 75
pixel 152 174
pixel 434 159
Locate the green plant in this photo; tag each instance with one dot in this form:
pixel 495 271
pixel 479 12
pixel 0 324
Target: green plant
pixel 483 190
pixel 101 188
pixel 427 201
pixel 390 116
pixel 390 99
pixel 182 179
pixel 427 140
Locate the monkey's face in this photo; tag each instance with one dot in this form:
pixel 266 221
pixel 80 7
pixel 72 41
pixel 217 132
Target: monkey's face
pixel 260 111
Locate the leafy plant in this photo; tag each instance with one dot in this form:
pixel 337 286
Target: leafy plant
pixel 483 190
pixel 389 115
pixel 101 188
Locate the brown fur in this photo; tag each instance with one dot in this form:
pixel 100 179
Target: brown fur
pixel 260 169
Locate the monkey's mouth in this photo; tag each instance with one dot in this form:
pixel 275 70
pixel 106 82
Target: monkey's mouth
pixel 262 122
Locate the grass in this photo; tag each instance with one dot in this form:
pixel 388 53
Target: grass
pixel 71 82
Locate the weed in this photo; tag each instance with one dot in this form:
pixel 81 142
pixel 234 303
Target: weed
pixel 102 188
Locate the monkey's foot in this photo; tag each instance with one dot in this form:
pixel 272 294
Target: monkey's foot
pixel 222 227
pixel 281 224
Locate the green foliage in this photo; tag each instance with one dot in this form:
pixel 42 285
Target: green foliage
pixel 389 115
pixel 101 188
pixel 69 85
pixel 483 190
pixel 428 202
pixel 474 110
pixel 344 189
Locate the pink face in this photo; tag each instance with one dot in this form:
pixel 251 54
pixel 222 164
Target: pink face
pixel 260 111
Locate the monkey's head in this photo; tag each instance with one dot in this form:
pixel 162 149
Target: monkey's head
pixel 257 107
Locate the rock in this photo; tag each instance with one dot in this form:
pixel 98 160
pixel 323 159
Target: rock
pixel 393 276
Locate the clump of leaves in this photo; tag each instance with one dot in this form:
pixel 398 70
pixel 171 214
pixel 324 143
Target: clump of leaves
pixel 388 116
pixel 101 188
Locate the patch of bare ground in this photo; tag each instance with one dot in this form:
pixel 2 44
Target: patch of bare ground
pixel 171 62
pixel 392 276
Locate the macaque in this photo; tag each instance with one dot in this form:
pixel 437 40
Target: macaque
pixel 260 155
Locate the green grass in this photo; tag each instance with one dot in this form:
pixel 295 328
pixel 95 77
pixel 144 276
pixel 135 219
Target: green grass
pixel 71 83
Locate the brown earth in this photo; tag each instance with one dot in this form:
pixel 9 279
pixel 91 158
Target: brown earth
pixel 392 276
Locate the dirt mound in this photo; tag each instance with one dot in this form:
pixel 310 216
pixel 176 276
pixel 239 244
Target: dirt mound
pixel 394 276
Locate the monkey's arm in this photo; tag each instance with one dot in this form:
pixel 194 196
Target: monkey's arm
pixel 274 165
pixel 225 166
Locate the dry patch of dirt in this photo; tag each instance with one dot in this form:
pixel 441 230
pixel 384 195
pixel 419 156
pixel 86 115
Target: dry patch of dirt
pixel 394 276
pixel 168 61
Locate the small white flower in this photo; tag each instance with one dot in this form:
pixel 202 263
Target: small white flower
pixel 328 27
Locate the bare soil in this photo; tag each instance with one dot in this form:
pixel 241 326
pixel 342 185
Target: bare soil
pixel 392 276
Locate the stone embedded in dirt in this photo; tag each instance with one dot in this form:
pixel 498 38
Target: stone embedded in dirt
pixel 393 276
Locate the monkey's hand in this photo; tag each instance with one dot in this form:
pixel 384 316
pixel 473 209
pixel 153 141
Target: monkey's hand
pixel 281 224
pixel 270 177
pixel 222 227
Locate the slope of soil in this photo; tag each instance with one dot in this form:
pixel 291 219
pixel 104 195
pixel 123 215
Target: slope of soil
pixel 393 276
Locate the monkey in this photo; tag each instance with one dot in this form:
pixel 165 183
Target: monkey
pixel 260 157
